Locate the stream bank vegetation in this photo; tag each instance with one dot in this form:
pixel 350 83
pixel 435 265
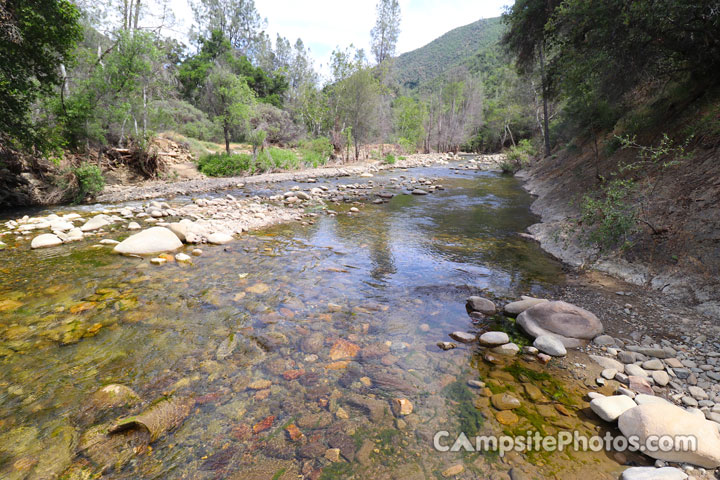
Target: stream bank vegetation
pixel 629 98
pixel 108 79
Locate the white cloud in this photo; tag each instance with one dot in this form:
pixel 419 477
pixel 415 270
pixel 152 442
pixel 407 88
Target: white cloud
pixel 325 24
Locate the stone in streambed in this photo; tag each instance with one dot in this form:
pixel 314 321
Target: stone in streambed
pixel 606 362
pixel 572 325
pixel 463 337
pixel 148 242
pixel 504 401
pixel 550 345
pixel 480 304
pixel 45 240
pixel 219 238
pixel 493 339
pixel 95 223
pixel 508 349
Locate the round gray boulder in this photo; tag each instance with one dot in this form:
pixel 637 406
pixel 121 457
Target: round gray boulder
pixel 570 324
pixel 149 242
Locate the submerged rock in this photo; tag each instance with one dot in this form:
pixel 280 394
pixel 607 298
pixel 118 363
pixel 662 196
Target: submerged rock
pixel 148 242
pixel 571 324
pixel 159 419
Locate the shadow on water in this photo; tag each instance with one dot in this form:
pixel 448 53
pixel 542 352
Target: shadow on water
pixel 290 342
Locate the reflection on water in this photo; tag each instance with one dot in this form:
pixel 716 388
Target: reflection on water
pixel 288 343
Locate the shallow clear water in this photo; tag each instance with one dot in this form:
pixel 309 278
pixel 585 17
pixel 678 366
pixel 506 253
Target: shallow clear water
pixel 256 329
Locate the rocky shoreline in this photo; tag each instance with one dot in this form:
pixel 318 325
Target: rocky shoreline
pixel 558 234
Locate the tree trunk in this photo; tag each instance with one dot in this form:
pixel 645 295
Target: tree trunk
pixel 137 14
pixel 226 132
pixel 546 119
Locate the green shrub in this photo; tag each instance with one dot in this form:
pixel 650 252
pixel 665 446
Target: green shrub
pixel 518 156
pixel 276 159
pixel 90 180
pixel 390 159
pixel 611 214
pixel 224 165
pixel 316 152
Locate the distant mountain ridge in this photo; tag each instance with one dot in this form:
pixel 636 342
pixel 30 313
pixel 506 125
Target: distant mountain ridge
pixel 456 48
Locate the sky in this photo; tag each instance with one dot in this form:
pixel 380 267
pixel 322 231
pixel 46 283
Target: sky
pixel 326 24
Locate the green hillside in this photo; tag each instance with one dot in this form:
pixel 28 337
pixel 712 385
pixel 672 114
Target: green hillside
pixel 456 48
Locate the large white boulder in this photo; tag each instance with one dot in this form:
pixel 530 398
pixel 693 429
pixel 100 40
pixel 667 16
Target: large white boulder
pixel 149 242
pixel 95 223
pixel 45 240
pixel 667 420
pixel 572 325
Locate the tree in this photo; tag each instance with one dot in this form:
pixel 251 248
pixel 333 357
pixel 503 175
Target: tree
pixel 386 30
pixel 527 39
pixel 228 100
pixel 36 38
pixel 237 20
pixel 354 98
pixel 409 115
pixel 269 87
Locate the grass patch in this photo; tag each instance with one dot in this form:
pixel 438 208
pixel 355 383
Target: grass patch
pixel 316 152
pixel 390 159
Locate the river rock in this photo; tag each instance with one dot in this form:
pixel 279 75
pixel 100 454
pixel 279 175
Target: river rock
pixel 516 308
pixel 45 240
pixel 463 337
pixel 660 377
pixel 572 325
pixel 219 238
pixel 606 362
pixel 506 349
pixel 148 242
pixel 550 345
pixel 95 223
pixel 637 370
pixel 493 339
pixel 134 226
pixel 504 401
pixel 610 408
pixel 666 419
pixel 480 304
pixel 652 473
pixel 653 364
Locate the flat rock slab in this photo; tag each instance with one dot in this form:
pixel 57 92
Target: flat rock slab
pixel 572 325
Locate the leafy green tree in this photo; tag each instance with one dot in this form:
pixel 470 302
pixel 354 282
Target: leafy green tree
pixel 192 73
pixel 237 20
pixel 527 39
pixel 37 37
pixel 386 30
pixel 354 97
pixel 228 99
pixel 409 115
